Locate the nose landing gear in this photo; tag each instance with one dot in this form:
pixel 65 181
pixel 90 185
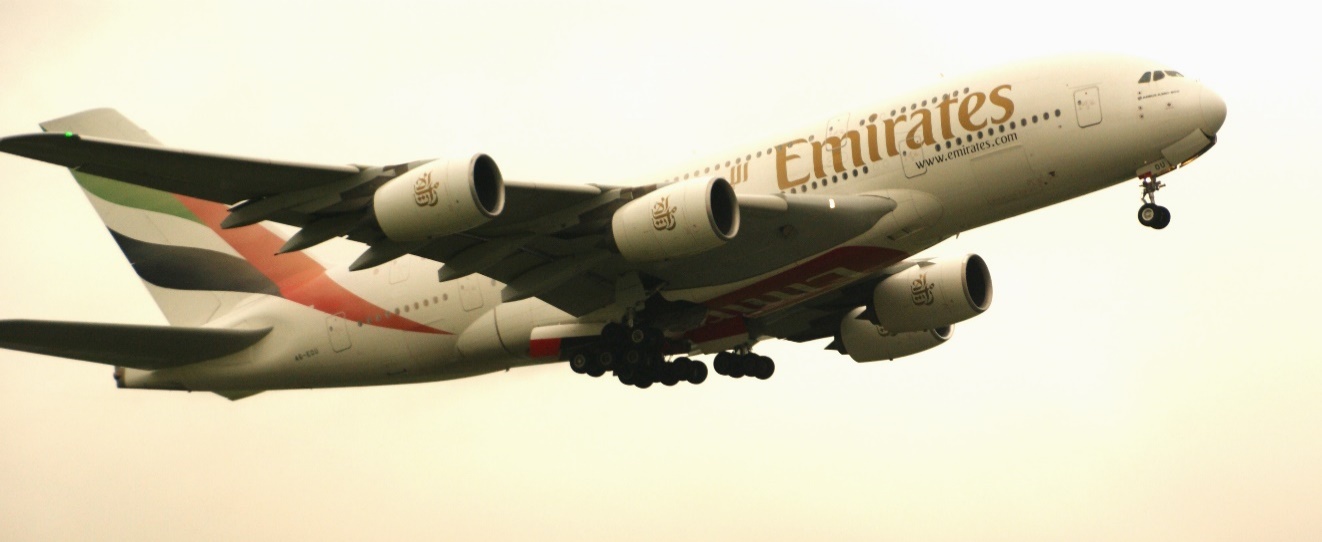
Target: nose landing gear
pixel 1150 214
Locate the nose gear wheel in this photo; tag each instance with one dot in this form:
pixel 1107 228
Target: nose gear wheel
pixel 1150 214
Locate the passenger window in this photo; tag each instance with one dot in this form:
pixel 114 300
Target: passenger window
pixel 1147 76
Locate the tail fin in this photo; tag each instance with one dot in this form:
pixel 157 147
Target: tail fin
pixel 193 274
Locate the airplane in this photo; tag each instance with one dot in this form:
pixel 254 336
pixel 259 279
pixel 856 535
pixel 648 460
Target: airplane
pixel 811 234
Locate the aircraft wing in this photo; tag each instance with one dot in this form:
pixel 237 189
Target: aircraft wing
pixel 138 347
pixel 552 241
pixel 214 177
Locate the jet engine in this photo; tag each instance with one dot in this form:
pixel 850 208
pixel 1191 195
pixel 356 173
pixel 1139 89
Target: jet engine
pixel 678 220
pixel 865 341
pixel 933 294
pixel 440 198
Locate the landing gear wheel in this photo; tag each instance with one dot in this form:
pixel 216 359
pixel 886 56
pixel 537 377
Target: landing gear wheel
pixel 634 356
pixel 1163 218
pixel 594 370
pixel 738 367
pixel 1147 214
pixel 1150 214
pixel 764 367
pixel 670 375
pixel 722 363
pixel 626 375
pixel 697 372
pixel 579 363
pixel 1154 216
pixel 637 336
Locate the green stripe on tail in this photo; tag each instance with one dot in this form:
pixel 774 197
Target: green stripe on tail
pixel 137 197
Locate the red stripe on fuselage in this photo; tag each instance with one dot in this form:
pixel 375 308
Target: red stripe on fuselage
pixel 544 348
pixel 815 277
pixel 299 278
pixel 720 329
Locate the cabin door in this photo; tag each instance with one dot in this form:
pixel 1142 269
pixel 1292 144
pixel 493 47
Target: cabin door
pixel 1088 106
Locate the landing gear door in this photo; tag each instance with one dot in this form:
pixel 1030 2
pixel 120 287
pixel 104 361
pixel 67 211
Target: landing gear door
pixel 1088 106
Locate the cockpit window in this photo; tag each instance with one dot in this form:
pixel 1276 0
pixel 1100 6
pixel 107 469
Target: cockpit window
pixel 1158 75
pixel 1147 76
pixel 1173 73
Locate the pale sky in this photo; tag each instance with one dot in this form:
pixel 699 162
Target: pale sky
pixel 1126 384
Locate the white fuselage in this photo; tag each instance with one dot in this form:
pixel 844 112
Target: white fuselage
pixel 955 156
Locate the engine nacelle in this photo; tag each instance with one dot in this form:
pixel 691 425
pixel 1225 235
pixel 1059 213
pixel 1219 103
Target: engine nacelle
pixel 865 341
pixel 440 198
pixel 933 294
pixel 682 219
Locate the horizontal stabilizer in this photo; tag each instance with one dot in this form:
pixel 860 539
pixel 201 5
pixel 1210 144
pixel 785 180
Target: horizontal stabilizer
pixel 134 346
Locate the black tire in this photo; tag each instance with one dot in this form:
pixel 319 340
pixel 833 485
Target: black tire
pixel 722 363
pixel 634 356
pixel 625 376
pixel 606 358
pixel 643 381
pixel 670 375
pixel 637 336
pixel 697 373
pixel 765 368
pixel 1163 218
pixel 1149 214
pixel 579 363
pixel 738 367
pixel 595 370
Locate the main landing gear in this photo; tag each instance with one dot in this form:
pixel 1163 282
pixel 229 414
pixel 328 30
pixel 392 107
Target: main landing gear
pixel 737 365
pixel 634 356
pixel 1150 214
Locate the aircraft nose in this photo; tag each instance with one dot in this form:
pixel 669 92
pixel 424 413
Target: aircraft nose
pixel 1214 111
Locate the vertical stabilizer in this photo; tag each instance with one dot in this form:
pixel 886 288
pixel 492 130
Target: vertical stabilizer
pixel 193 274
